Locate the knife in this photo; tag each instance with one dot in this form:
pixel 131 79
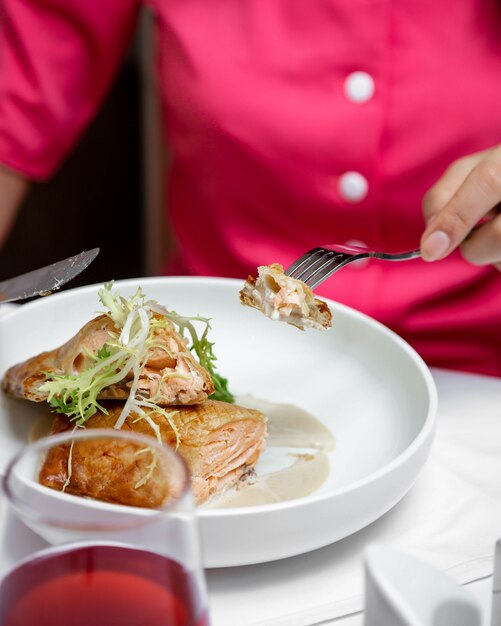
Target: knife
pixel 45 280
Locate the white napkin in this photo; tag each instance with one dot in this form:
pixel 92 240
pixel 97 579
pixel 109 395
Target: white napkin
pixel 451 519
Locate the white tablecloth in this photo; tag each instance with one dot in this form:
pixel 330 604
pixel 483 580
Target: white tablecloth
pixel 451 519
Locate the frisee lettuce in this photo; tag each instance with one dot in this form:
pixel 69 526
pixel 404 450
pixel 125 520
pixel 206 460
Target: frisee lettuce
pixel 75 395
pixel 151 467
pixel 118 306
pixel 124 354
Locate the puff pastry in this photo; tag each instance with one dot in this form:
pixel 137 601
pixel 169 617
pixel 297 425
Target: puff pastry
pixel 171 373
pixel 220 443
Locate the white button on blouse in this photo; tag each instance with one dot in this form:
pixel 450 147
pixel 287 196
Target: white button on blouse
pixel 359 87
pixel 352 186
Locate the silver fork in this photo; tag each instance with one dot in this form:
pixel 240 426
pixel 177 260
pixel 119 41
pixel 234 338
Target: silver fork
pixel 319 263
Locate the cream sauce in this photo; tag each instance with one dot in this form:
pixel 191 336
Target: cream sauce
pixel 300 479
pixel 289 425
pixel 285 471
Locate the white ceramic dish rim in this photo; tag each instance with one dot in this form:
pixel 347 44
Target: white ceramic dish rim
pixel 400 459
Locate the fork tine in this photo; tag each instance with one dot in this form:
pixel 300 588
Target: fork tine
pixel 312 267
pixel 327 270
pixel 297 265
pixel 319 263
pixel 319 270
pixel 314 261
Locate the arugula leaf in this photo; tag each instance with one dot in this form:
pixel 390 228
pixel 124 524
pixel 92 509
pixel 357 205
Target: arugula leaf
pixel 221 391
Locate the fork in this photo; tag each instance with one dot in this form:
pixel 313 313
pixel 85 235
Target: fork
pixel 319 263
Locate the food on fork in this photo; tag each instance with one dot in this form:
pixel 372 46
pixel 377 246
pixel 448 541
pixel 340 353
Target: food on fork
pixel 220 443
pixel 286 299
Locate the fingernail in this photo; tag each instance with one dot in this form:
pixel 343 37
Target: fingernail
pixel 435 246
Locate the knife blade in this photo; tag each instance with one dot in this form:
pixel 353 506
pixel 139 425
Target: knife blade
pixel 45 280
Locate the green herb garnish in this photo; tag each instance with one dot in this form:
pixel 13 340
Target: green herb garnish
pixel 204 349
pixel 123 356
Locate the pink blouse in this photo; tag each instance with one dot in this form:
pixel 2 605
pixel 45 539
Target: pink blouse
pixel 292 123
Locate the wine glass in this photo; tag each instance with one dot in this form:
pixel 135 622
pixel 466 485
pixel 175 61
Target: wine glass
pixel 118 509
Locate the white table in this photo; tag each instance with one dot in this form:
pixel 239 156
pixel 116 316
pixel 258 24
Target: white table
pixel 249 586
pixel 258 585
pixel 481 589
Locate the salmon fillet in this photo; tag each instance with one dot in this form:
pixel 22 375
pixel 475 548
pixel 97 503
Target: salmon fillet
pixel 220 443
pixel 286 299
pixel 187 382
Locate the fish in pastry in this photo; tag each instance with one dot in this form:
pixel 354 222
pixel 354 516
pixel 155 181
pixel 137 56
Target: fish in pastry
pixel 220 443
pixel 286 299
pixel 168 371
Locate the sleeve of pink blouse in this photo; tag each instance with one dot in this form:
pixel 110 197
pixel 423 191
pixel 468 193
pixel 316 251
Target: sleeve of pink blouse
pixel 57 60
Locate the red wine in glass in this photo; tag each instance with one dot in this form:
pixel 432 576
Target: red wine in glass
pixel 101 585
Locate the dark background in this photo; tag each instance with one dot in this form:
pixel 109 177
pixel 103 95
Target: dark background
pixel 93 201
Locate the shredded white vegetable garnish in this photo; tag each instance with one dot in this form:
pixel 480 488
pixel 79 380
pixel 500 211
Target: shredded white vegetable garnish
pixel 124 356
pixel 151 467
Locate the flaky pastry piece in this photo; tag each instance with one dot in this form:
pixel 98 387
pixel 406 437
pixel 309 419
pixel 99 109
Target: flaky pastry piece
pixel 220 443
pixel 285 299
pixel 171 373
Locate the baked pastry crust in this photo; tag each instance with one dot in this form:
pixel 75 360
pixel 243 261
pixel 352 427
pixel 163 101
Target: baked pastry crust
pixel 193 384
pixel 219 442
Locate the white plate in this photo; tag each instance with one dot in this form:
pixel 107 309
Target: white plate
pixel 364 382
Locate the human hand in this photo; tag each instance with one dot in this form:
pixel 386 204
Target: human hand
pixel 461 210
